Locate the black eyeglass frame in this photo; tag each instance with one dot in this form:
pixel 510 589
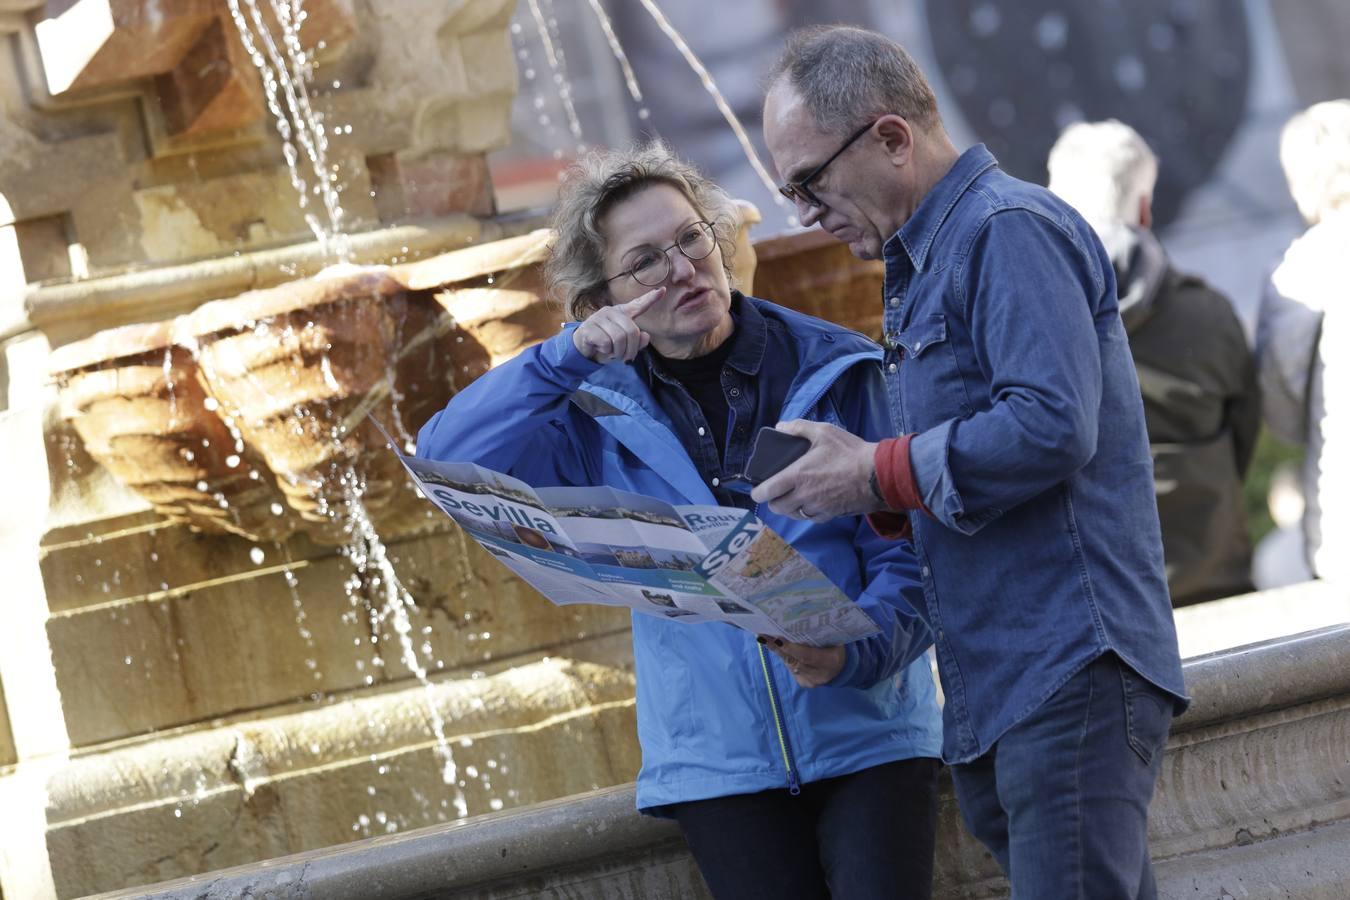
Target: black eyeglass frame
pixel 799 190
pixel 708 227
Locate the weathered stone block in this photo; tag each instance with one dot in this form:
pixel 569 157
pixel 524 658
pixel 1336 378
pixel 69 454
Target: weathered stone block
pixel 7 755
pixel 329 775
pixel 213 88
pixel 434 184
pixel 482 124
pixel 95 43
pixel 277 632
pixel 489 62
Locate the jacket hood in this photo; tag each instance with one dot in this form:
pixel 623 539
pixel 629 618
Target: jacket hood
pixel 1141 268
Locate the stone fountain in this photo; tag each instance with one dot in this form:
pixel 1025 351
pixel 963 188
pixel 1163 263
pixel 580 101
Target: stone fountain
pixel 199 670
pixel 207 665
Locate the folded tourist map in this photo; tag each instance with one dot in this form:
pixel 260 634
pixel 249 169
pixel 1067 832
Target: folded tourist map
pixel 684 563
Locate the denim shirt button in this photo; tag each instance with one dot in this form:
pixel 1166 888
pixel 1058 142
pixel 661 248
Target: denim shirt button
pixel 925 571
pixel 892 368
pixel 894 302
pixel 734 392
pixel 702 431
pixel 716 482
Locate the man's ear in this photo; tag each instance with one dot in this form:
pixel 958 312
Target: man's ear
pixel 897 137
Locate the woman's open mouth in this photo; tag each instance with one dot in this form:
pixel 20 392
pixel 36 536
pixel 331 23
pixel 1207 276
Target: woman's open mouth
pixel 692 298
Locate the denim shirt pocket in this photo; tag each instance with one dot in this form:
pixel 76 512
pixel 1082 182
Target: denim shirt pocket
pixel 930 378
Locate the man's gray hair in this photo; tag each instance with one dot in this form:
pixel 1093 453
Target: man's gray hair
pixel 1315 154
pixel 1103 170
pixel 847 77
pixel 594 185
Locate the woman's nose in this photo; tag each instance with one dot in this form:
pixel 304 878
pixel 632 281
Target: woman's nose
pixel 681 267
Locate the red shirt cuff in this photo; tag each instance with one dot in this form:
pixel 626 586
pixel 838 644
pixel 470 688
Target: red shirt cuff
pixel 895 475
pixel 893 526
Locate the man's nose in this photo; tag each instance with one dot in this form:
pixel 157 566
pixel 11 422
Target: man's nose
pixel 808 213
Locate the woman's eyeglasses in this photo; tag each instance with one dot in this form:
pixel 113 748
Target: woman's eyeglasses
pixel 652 266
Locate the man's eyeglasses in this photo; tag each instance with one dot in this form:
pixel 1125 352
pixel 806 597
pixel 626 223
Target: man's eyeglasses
pixel 652 266
pixel 798 190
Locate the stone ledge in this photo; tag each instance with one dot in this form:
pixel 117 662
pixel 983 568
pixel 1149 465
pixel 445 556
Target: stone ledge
pixel 69 311
pixel 8 756
pixel 594 844
pixel 255 790
pixel 1252 618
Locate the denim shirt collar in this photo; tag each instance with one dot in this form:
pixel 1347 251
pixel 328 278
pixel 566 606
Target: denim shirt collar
pixel 915 238
pixel 749 340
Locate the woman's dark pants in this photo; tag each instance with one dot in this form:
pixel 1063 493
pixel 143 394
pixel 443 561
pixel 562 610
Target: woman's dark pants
pixel 856 837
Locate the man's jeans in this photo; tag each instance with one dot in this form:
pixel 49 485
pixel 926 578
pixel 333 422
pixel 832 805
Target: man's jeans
pixel 1061 800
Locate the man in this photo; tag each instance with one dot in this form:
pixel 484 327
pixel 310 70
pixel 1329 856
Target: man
pixel 1022 465
pixel 1303 337
pixel 1202 405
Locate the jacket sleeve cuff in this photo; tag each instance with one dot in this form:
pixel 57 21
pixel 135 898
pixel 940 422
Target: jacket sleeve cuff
pixel 850 669
pixel 895 475
pixel 564 357
pixel 893 526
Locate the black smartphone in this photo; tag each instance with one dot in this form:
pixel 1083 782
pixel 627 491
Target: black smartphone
pixel 773 452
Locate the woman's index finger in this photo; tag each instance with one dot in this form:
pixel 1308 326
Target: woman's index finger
pixel 635 308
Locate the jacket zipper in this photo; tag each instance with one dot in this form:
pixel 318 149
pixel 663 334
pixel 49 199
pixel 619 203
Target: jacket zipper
pixel 794 783
pixel 784 745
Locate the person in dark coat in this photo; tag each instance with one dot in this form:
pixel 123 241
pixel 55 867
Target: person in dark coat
pixel 1202 403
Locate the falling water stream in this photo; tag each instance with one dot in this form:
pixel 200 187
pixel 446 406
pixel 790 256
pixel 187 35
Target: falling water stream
pixel 287 70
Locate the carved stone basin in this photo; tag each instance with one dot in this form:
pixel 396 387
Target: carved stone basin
pixel 252 414
pixel 298 368
pixel 249 415
pixel 135 399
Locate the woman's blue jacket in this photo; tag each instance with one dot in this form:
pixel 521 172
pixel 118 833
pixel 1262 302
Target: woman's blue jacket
pixel 717 715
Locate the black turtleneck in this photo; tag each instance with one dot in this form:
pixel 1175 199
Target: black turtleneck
pixel 701 376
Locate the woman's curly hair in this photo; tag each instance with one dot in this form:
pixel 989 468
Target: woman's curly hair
pixel 592 187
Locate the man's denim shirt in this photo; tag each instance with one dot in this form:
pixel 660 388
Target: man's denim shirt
pixel 1007 356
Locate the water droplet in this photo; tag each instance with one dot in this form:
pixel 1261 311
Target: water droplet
pixel 1130 74
pixel 985 20
pixel 1052 31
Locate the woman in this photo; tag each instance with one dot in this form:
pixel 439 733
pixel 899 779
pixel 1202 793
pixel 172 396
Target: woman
pixel 780 791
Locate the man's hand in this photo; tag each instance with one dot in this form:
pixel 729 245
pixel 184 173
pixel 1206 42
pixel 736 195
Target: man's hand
pixel 611 332
pixel 830 479
pixel 811 666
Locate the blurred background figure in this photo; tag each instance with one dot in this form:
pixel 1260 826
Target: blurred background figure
pixel 1197 375
pixel 1303 333
pixel 1279 558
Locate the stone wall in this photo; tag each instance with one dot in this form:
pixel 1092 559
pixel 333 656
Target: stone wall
pixel 1251 803
pixel 7 754
pixel 138 134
